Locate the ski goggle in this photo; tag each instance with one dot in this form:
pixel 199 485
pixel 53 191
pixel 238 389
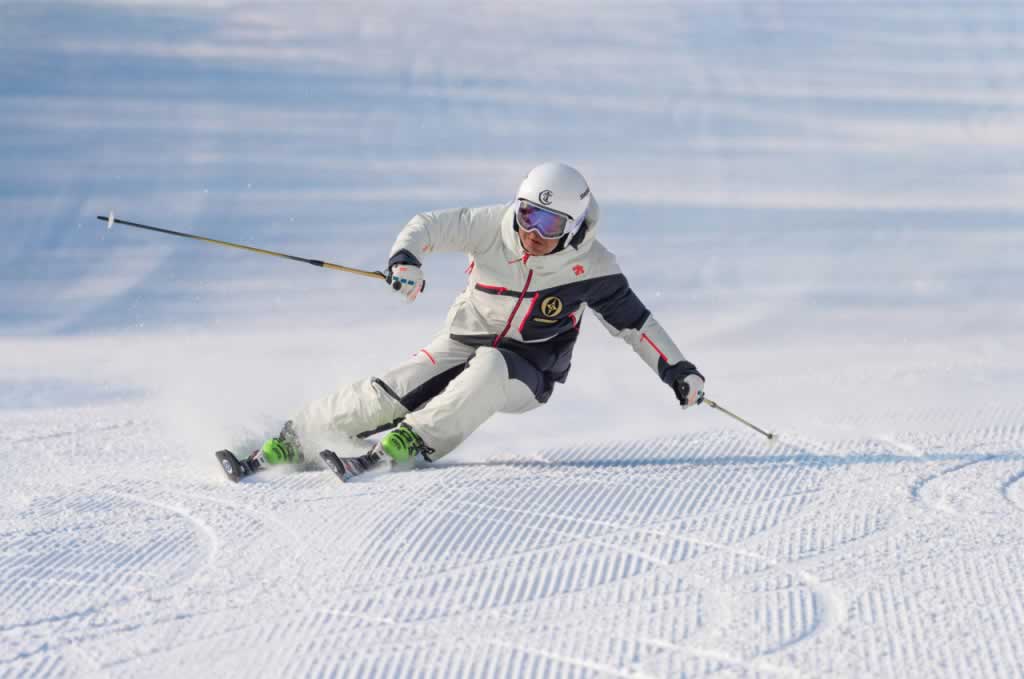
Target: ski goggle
pixel 544 223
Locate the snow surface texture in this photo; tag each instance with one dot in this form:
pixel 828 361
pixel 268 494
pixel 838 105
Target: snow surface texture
pixel 821 201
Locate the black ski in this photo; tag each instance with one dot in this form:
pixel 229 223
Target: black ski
pixel 236 469
pixel 347 468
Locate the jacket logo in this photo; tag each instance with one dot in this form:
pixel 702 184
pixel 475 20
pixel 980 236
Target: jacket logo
pixel 579 270
pixel 551 306
pixel 546 197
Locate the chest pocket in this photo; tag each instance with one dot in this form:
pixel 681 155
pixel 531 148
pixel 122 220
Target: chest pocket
pixel 549 310
pixel 551 314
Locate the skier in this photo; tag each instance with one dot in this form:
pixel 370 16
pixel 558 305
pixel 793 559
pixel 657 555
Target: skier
pixel 535 267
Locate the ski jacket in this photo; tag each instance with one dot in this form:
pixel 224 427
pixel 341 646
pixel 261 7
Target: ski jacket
pixel 534 305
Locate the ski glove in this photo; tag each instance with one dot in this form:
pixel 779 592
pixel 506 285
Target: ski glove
pixel 406 280
pixel 689 386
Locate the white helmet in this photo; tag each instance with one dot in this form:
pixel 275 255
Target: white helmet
pixel 557 188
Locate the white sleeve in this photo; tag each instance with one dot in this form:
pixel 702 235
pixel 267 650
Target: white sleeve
pixel 469 230
pixel 652 344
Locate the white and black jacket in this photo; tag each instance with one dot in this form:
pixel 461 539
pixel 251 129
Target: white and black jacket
pixel 534 305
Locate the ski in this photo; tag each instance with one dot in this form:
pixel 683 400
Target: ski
pixel 347 468
pixel 237 469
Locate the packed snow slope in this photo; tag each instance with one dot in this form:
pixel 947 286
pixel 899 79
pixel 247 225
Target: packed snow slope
pixel 821 201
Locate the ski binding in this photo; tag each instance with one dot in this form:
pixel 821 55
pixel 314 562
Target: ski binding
pixel 236 469
pixel 347 468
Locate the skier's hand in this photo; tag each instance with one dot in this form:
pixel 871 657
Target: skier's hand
pixel 689 386
pixel 406 280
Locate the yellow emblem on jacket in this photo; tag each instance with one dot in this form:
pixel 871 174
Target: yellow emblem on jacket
pixel 551 306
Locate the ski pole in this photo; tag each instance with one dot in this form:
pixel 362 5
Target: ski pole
pixel 110 220
pixel 771 437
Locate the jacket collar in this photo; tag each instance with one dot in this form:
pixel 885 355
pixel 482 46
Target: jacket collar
pixel 556 261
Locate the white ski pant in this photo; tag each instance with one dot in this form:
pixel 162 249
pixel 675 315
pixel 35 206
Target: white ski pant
pixel 444 392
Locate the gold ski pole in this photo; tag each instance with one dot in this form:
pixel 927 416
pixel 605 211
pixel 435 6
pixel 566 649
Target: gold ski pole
pixel 771 437
pixel 110 220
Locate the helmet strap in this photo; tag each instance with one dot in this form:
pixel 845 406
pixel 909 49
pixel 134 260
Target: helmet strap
pixel 577 238
pixel 560 246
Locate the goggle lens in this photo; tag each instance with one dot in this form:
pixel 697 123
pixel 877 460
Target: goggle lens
pixel 545 223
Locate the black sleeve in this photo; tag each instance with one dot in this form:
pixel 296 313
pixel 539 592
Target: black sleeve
pixel 612 297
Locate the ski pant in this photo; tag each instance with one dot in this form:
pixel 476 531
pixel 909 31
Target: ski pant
pixel 444 393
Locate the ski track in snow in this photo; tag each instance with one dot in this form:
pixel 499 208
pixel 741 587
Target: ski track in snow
pixel 1010 490
pixel 708 555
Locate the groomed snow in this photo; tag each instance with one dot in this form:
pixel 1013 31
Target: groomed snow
pixel 821 201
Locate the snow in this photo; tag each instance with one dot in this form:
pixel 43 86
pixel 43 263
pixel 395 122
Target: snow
pixel 820 201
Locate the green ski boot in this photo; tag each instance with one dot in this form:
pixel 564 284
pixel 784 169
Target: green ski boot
pixel 284 449
pixel 402 444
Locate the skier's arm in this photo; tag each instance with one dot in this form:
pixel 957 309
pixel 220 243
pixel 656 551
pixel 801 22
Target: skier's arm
pixel 469 230
pixel 626 317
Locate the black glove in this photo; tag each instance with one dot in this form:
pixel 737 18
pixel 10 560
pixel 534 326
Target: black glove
pixel 688 385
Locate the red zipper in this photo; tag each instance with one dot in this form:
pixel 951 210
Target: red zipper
pixel 526 316
pixel 515 310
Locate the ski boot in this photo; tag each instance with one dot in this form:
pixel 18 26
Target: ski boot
pixel 399 444
pixel 282 449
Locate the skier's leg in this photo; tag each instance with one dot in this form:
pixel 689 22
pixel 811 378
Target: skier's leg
pixel 378 403
pixel 495 380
